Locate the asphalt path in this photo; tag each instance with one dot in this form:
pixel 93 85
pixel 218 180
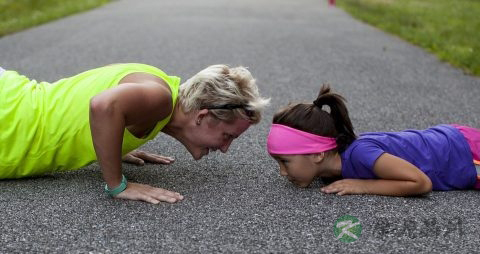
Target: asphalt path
pixel 237 202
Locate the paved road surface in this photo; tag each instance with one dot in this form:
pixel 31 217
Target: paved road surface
pixel 238 202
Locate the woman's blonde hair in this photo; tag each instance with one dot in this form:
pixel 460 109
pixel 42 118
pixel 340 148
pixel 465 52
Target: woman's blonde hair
pixel 227 92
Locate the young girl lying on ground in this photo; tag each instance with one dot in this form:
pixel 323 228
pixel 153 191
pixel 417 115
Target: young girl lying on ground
pixel 309 142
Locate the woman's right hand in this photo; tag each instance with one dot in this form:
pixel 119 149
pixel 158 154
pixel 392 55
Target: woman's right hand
pixel 150 194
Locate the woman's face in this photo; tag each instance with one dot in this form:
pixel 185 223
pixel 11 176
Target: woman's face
pixel 211 134
pixel 299 169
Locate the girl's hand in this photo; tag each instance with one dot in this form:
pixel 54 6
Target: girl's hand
pixel 147 193
pixel 140 157
pixel 346 186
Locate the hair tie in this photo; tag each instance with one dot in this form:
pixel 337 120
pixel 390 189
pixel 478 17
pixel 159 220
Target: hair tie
pixel 316 103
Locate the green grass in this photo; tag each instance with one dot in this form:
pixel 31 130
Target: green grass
pixel 16 15
pixel 448 28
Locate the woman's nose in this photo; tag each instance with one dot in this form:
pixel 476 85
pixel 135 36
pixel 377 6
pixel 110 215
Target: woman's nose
pixel 283 171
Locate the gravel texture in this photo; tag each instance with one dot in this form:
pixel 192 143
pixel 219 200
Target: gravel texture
pixel 237 202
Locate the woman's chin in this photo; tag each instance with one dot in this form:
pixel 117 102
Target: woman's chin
pixel 198 155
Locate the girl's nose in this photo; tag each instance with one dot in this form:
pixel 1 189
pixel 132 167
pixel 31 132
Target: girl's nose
pixel 283 171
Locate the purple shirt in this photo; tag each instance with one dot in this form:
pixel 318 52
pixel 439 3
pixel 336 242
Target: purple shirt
pixel 441 152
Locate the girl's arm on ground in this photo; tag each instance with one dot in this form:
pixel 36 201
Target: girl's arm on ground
pixel 110 112
pixel 398 177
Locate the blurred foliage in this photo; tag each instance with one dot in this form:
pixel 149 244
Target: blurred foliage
pixel 448 28
pixel 16 15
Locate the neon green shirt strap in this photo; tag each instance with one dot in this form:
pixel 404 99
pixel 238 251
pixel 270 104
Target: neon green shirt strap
pixel 117 190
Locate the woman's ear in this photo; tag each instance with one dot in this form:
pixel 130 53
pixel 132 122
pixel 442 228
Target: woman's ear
pixel 318 157
pixel 200 115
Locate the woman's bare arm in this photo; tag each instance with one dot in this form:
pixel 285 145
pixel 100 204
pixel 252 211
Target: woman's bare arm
pixel 114 109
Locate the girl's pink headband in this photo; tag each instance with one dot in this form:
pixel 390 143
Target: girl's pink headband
pixel 289 141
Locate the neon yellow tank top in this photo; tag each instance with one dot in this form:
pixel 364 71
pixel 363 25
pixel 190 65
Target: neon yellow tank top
pixel 44 127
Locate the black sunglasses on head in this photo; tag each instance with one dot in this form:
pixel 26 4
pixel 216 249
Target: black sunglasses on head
pixel 248 112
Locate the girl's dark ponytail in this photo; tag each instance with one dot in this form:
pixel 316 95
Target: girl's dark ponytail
pixel 339 113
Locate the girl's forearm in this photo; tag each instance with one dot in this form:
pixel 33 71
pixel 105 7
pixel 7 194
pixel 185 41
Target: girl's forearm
pixel 396 187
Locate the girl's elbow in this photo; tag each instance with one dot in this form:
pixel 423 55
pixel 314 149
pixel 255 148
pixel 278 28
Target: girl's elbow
pixel 425 186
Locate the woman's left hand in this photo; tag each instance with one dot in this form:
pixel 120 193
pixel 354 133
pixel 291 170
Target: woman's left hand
pixel 140 157
pixel 346 186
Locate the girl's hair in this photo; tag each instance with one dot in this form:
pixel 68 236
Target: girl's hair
pixel 227 92
pixel 312 118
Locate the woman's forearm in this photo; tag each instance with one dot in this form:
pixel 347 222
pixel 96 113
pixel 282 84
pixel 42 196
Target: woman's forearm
pixel 107 126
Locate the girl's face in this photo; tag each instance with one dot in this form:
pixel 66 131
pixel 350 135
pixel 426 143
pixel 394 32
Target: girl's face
pixel 299 169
